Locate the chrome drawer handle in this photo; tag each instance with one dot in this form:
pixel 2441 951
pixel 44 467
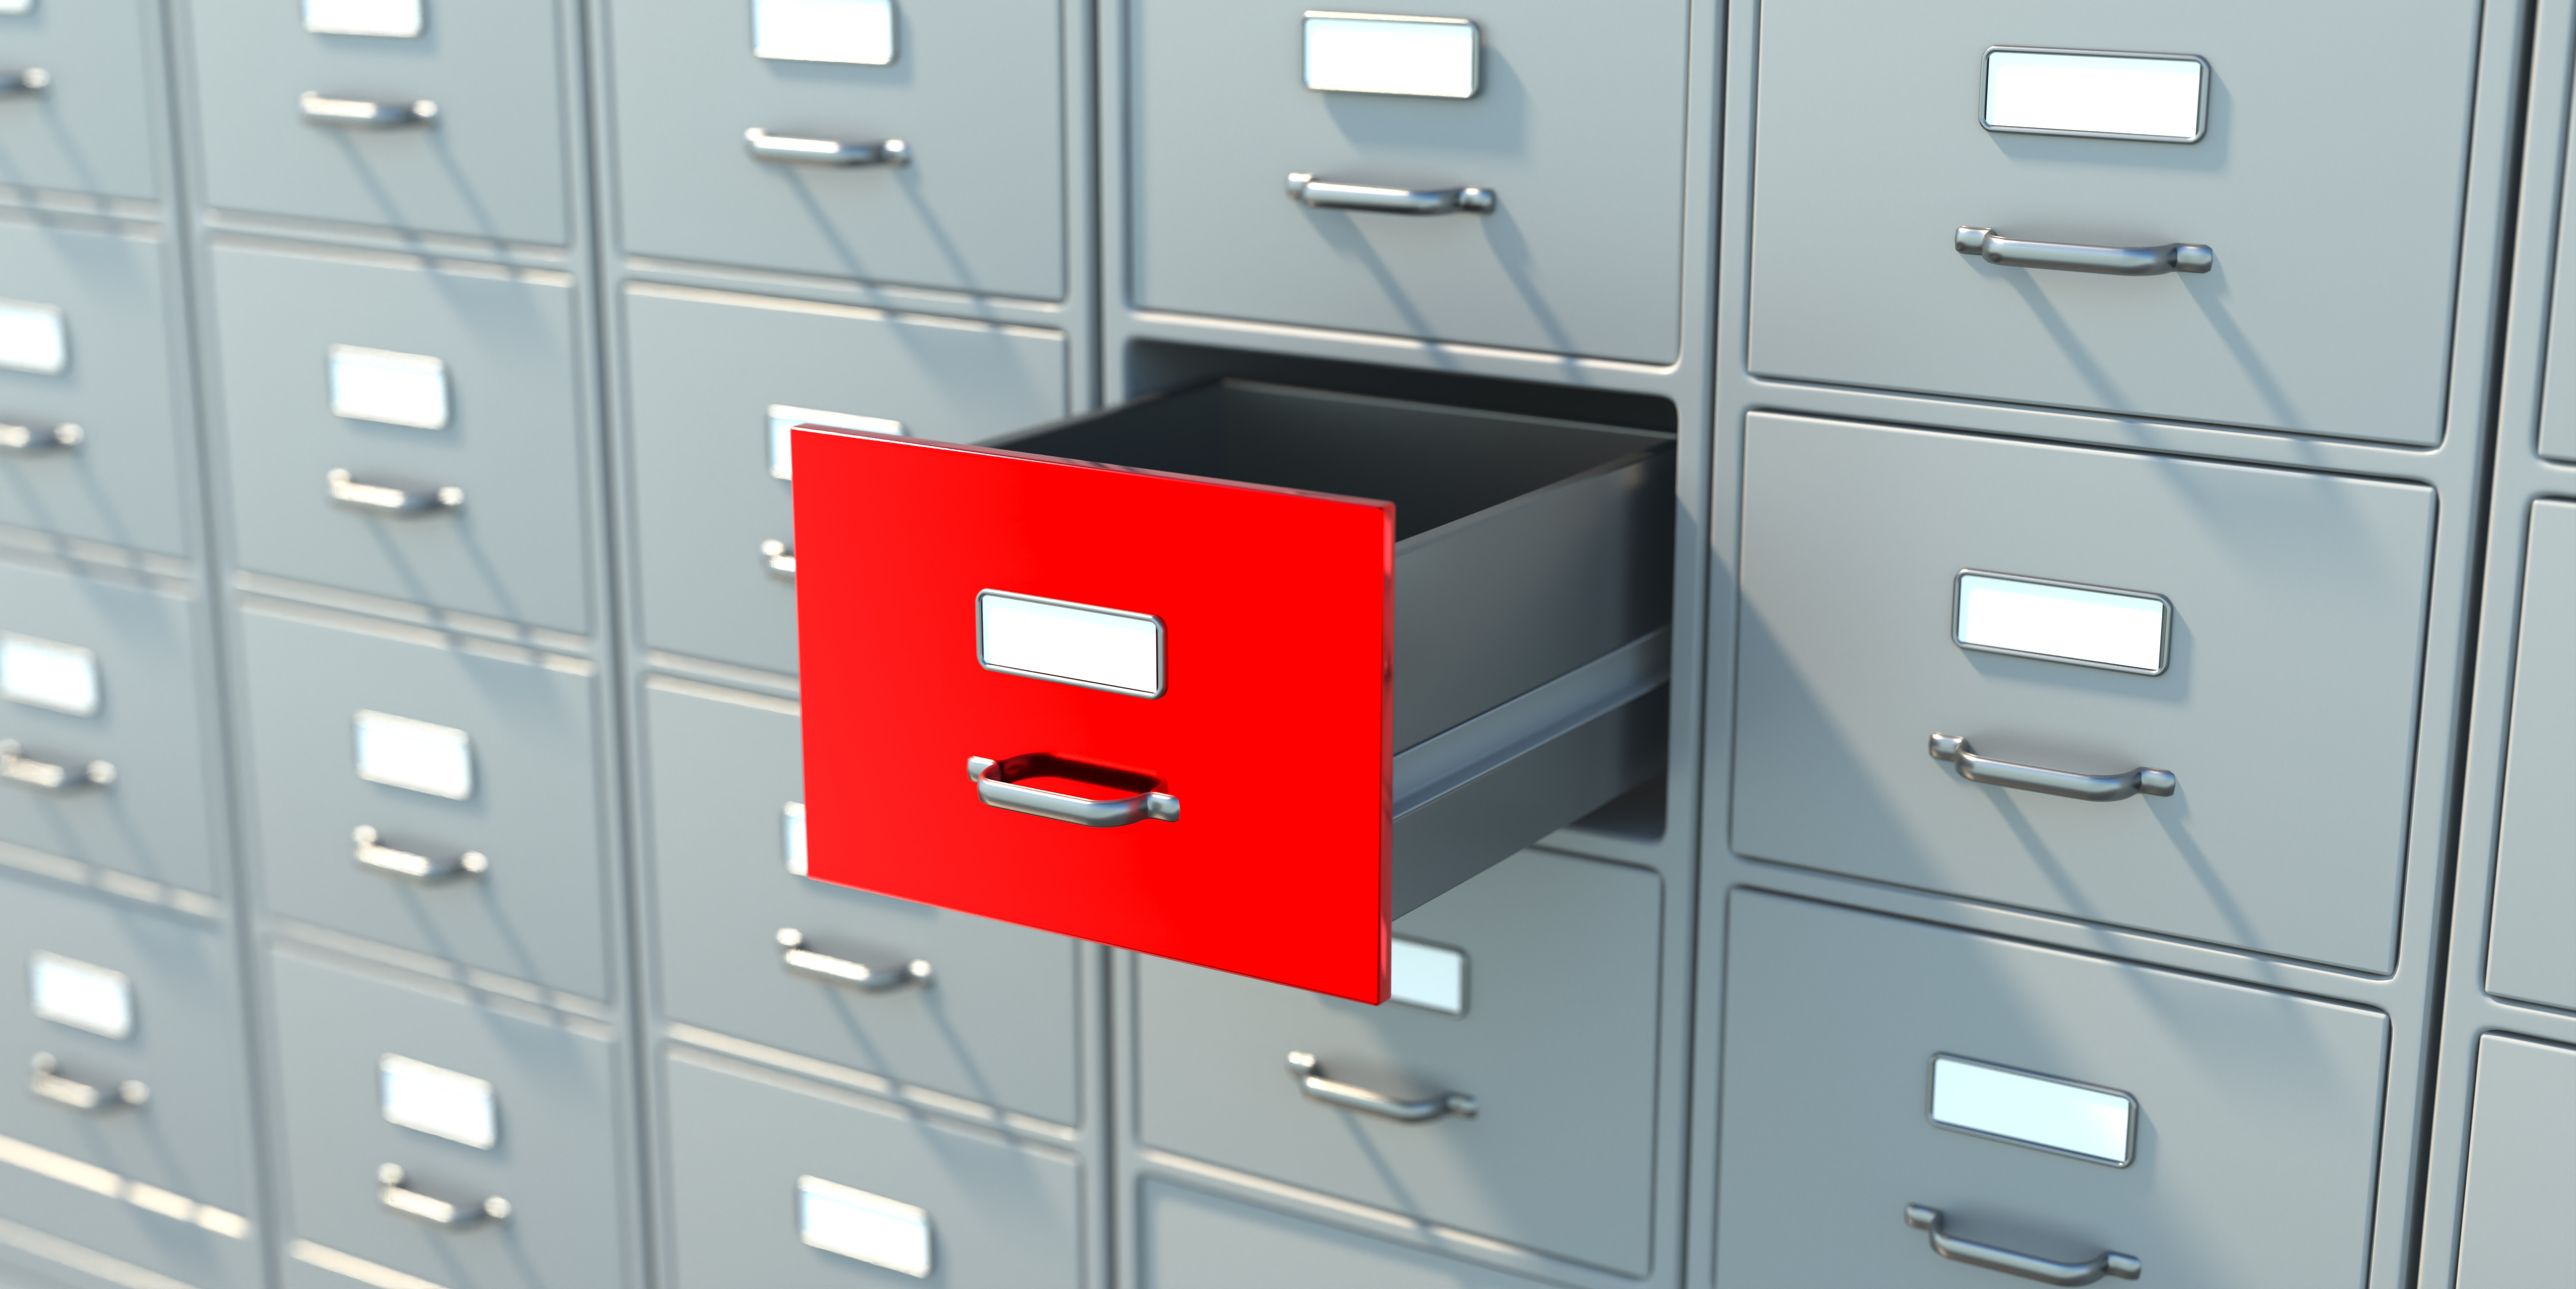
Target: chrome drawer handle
pixel 39 438
pixel 1309 1074
pixel 25 80
pixel 403 863
pixel 45 1081
pixel 378 496
pixel 1326 195
pixel 781 560
pixel 993 783
pixel 2124 261
pixel 827 152
pixel 366 114
pixel 402 1199
pixel 17 767
pixel 2117 1265
pixel 842 971
pixel 2056 783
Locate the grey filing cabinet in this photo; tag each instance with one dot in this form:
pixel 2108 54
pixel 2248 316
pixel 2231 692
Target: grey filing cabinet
pixel 81 111
pixel 2520 1185
pixel 2529 957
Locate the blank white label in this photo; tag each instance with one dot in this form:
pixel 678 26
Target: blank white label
pixel 70 992
pixel 783 419
pixel 17 6
pixel 1426 975
pixel 362 17
pixel 2033 1110
pixel 824 31
pixel 792 826
pixel 442 1103
pixel 32 338
pixel 1074 644
pixel 2121 630
pixel 2119 95
pixel 41 673
pixel 404 753
pixel 1363 53
pixel 389 388
pixel 857 1224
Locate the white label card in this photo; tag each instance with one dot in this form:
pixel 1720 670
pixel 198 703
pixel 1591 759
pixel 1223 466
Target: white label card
pixel 1427 976
pixel 70 992
pixel 793 836
pixel 824 31
pixel 17 6
pixel 400 752
pixel 41 673
pixel 2158 97
pixel 32 338
pixel 389 388
pixel 869 1227
pixel 440 1102
pixel 782 419
pixel 1366 53
pixel 2088 626
pixel 2034 1110
pixel 1071 644
pixel 398 18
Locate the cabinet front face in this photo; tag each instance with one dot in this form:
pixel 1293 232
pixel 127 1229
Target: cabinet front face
pixel 78 111
pixel 2529 954
pixel 2522 1164
pixel 1193 1241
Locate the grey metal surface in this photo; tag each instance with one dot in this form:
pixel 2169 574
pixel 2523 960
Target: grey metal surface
pixel 91 127
pixel 1197 1241
pixel 2530 955
pixel 2521 1166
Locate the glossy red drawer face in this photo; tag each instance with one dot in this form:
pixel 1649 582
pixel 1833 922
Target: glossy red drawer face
pixel 1241 811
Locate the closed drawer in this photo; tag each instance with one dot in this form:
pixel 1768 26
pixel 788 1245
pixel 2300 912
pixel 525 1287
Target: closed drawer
pixel 988 1017
pixel 1873 157
pixel 2530 955
pixel 405 431
pixel 1575 128
pixel 776 1182
pixel 99 695
pixel 442 800
pixel 467 1106
pixel 459 127
pixel 1553 1147
pixel 80 113
pixel 1874 1067
pixel 942 165
pixel 1195 1241
pixel 714 377
pixel 2522 1165
pixel 2253 634
pixel 89 382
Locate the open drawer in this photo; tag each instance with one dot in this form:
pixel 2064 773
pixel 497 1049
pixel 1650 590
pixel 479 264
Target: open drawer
pixel 1235 675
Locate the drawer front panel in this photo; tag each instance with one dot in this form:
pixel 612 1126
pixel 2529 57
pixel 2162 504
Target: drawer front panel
pixel 2522 1165
pixel 1195 1241
pixel 89 127
pixel 2530 955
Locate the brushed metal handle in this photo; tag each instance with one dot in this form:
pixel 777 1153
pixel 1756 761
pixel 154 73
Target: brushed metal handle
pixel 46 1080
pixel 2122 261
pixel 39 438
pixel 826 152
pixel 393 1194
pixel 1309 1074
pixel 843 971
pixel 780 557
pixel 1327 195
pixel 402 501
pixel 2056 783
pixel 18 767
pixel 365 113
pixel 2117 1265
pixel 402 863
pixel 994 784
pixel 25 80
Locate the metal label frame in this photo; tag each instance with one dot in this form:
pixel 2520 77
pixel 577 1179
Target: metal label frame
pixel 2164 642
pixel 2130 1139
pixel 1475 67
pixel 2200 129
pixel 1160 682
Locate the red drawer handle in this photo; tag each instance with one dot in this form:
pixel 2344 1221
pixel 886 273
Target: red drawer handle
pixel 994 782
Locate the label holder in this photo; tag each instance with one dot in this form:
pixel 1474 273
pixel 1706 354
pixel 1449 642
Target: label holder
pixel 984 652
pixel 1931 1101
pixel 1985 94
pixel 2164 642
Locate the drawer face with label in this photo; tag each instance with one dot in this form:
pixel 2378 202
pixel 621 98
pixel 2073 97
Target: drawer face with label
pixel 1195 1241
pixel 715 380
pixel 2173 695
pixel 437 799
pixel 1893 1089
pixel 904 141
pixel 443 116
pixel 2014 204
pixel 750 947
pixel 103 754
pixel 406 432
pixel 2530 955
pixel 76 111
pixel 2522 1165
pixel 90 397
pixel 1512 180
pixel 1455 1117
pixel 771 1185
pixel 436 1138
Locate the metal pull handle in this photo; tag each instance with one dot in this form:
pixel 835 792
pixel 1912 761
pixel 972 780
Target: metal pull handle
pixel 2123 261
pixel 39 438
pixel 18 767
pixel 843 971
pixel 827 152
pixel 366 114
pixel 780 557
pixel 994 784
pixel 2118 1265
pixel 1400 201
pixel 378 496
pixel 403 863
pixel 45 1081
pixel 25 80
pixel 2056 783
pixel 1309 1074
pixel 438 1212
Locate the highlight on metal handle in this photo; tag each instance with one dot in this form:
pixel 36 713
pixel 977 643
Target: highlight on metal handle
pixel 2117 1265
pixel 18 767
pixel 780 558
pixel 366 114
pixel 1309 1074
pixel 403 501
pixel 39 438
pixel 843 971
pixel 994 784
pixel 2123 261
pixel 403 863
pixel 2056 783
pixel 25 80
pixel 438 1212
pixel 826 152
pixel 1400 201
pixel 45 1080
